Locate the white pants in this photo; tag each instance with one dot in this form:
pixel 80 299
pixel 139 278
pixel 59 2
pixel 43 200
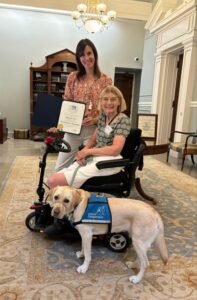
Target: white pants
pixel 76 175
pixel 75 141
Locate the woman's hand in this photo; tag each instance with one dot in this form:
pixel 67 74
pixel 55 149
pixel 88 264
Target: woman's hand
pixel 53 130
pixel 82 162
pixel 82 154
pixel 89 120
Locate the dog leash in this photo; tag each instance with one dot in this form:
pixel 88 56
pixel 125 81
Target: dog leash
pixel 88 160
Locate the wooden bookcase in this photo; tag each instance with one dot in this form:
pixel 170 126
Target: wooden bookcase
pixel 49 78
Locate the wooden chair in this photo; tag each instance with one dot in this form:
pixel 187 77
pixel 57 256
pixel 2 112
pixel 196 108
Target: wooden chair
pixel 189 147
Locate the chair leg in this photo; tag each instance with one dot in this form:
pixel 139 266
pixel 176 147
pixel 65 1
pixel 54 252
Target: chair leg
pixel 192 158
pixel 168 152
pixel 142 193
pixel 183 160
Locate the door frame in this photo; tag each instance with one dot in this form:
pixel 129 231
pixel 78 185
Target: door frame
pixel 176 95
pixel 135 90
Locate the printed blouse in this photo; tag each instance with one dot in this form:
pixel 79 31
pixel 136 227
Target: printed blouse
pixel 88 93
pixel 121 125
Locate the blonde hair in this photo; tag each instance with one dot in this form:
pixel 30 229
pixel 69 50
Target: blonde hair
pixel 116 92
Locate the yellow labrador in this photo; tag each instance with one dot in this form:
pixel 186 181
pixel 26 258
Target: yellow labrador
pixel 139 219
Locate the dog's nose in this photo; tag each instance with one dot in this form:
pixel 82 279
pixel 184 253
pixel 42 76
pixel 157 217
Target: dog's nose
pixel 56 211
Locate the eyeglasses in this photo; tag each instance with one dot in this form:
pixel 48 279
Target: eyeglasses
pixel 113 99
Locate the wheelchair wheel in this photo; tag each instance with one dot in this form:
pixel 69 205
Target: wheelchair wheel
pixel 117 242
pixel 30 222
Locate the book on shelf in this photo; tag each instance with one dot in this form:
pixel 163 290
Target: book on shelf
pixel 40 76
pixel 63 77
pixel 40 87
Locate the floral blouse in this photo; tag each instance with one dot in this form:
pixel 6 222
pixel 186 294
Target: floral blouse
pixel 80 90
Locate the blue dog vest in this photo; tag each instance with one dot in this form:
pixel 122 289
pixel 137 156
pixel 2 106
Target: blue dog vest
pixel 97 211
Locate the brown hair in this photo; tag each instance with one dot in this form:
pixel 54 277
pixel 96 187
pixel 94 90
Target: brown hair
pixel 80 51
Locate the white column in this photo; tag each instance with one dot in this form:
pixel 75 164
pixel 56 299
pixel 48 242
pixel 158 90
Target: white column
pixel 163 93
pixel 187 86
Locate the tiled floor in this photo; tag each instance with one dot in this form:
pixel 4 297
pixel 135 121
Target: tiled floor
pixel 18 147
pixel 12 148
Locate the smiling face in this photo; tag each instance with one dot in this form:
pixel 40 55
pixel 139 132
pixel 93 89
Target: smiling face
pixel 87 59
pixel 109 104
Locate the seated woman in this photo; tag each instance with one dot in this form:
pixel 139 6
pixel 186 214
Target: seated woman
pixel 106 142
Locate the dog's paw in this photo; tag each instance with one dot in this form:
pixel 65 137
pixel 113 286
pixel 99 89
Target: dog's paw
pixel 134 279
pixel 79 254
pixel 82 269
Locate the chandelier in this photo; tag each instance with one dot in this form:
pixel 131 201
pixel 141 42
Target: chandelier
pixel 93 16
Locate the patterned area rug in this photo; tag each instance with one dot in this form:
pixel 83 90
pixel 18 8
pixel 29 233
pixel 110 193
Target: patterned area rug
pixel 33 267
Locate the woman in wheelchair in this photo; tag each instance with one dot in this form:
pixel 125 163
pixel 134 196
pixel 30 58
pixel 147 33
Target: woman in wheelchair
pixel 105 143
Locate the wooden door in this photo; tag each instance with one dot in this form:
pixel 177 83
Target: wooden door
pixel 124 82
pixel 176 96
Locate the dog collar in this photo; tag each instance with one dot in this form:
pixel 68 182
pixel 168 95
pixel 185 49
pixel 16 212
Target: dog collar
pixel 70 215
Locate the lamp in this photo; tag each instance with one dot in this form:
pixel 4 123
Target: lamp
pixel 93 16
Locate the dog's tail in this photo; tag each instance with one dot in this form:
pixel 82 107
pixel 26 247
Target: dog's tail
pixel 161 244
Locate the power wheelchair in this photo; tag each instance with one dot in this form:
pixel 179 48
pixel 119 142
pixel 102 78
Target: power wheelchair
pixel 120 184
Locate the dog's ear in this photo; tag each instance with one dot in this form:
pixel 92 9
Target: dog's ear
pixel 81 195
pixel 50 195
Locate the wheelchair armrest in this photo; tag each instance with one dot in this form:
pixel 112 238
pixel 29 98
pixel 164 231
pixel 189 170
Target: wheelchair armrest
pixel 112 163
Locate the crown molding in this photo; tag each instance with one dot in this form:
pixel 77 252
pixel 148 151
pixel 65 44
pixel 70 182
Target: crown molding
pixel 167 10
pixel 160 9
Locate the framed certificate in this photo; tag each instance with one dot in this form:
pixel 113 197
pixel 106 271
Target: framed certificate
pixel 71 117
pixel 148 124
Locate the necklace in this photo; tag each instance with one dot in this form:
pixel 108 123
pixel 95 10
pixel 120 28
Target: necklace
pixel 110 121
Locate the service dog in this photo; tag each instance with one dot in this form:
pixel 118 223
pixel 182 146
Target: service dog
pixel 140 220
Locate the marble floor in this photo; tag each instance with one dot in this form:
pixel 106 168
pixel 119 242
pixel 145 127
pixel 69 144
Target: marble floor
pixel 19 147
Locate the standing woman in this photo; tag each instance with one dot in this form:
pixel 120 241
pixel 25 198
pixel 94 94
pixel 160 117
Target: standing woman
pixel 84 85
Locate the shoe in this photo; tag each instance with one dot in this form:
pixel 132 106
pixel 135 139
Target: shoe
pixel 59 228
pixel 56 228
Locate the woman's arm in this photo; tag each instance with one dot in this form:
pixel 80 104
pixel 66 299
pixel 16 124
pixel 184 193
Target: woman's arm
pixel 92 141
pixel 112 150
pixel 84 152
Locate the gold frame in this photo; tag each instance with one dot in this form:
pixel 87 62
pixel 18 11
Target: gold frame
pixel 148 124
